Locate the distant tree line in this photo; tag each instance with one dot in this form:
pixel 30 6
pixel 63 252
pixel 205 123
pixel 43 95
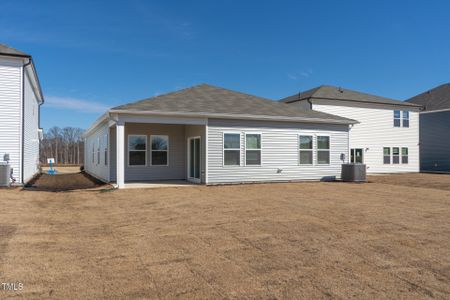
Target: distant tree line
pixel 65 145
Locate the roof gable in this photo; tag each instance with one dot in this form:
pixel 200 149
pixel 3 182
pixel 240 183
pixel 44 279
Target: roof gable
pixel 437 98
pixel 210 100
pixel 326 92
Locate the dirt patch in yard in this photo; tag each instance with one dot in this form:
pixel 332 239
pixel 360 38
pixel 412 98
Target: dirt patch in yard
pixel 63 182
pixel 418 180
pixel 266 241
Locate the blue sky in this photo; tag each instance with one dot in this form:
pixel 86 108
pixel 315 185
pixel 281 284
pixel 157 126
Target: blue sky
pixel 92 55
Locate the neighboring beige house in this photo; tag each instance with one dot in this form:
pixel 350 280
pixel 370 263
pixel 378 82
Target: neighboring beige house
pixel 206 134
pixel 20 100
pixel 386 137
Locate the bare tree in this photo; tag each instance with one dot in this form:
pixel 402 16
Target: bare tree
pixel 65 145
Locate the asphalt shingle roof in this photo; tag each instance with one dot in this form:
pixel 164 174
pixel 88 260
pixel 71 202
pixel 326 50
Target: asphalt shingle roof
pixel 435 99
pixel 4 49
pixel 208 99
pixel 335 93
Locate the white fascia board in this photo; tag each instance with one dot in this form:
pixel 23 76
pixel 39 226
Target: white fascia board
pixel 435 111
pixel 103 118
pixel 234 116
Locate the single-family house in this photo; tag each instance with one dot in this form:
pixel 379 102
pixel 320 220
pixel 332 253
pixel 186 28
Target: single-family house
pixel 211 135
pixel 20 100
pixel 434 128
pixel 386 137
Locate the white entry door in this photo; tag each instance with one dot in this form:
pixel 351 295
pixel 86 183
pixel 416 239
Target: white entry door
pixel 194 156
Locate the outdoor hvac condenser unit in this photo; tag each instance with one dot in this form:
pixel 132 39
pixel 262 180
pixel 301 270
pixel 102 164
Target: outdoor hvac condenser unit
pixel 5 172
pixel 353 172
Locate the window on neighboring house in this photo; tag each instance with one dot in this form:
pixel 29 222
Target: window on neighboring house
pixel 386 155
pixel 404 155
pixel 93 152
pixel 160 150
pixel 405 119
pixel 323 150
pixel 396 155
pixel 106 150
pixel 98 150
pixel 253 149
pixel 306 149
pixel 397 118
pixel 231 149
pixel 137 150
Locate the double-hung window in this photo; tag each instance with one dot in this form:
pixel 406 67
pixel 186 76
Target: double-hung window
pixel 98 150
pixel 93 152
pixel 404 155
pixel 253 149
pixel 395 155
pixel 306 149
pixel 405 120
pixel 160 150
pixel 137 150
pixel 397 118
pixel 323 150
pixel 386 155
pixel 105 150
pixel 231 149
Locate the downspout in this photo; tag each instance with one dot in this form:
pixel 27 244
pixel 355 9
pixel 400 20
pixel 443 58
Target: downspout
pixel 23 121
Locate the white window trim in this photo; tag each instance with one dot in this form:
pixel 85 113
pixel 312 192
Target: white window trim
pixel 390 156
pixel 317 149
pixel 151 149
pixel 312 149
pixel 401 155
pixel 105 151
pixel 128 152
pixel 399 118
pixel 223 149
pixel 403 118
pixel 98 151
pixel 245 149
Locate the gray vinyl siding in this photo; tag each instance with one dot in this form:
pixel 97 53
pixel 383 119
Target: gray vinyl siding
pixel 11 113
pixel 280 151
pixel 177 153
pixel 435 141
pixel 31 127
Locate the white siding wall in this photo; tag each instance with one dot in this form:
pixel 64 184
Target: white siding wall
pixel 97 139
pixel 11 112
pixel 375 131
pixel 280 150
pixel 31 133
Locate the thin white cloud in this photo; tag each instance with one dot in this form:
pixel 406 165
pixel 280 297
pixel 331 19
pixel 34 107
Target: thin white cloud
pixel 296 75
pixel 76 104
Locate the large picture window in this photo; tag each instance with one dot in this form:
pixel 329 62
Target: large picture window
pixel 137 150
pixel 386 155
pixel 404 155
pixel 231 149
pixel 405 121
pixel 395 155
pixel 160 150
pixel 306 149
pixel 397 118
pixel 253 149
pixel 323 150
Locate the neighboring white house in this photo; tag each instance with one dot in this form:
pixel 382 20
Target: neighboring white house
pixel 211 135
pixel 386 137
pixel 20 100
pixel 434 128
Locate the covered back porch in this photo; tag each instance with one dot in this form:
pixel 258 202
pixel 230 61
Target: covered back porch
pixel 157 150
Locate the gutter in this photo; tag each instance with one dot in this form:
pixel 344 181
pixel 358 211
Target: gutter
pixel 236 116
pixel 23 120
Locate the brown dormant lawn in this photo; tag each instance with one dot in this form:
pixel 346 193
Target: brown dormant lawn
pixel 383 239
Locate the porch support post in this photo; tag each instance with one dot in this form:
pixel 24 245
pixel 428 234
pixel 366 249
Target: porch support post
pixel 120 151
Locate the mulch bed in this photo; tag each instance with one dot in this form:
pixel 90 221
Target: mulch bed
pixel 63 182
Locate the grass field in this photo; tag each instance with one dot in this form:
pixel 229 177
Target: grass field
pixel 389 238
